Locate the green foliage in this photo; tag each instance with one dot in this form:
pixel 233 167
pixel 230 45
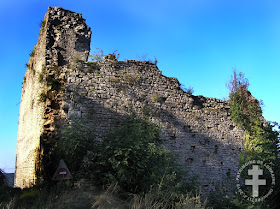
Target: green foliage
pixel 49 78
pixel 124 80
pixel 245 109
pixel 260 139
pixel 219 200
pixel 134 157
pixel 97 55
pixel 130 79
pixel 3 186
pixel 2 178
pixel 32 53
pixel 156 98
pixel 158 199
pixel 75 141
pixel 42 74
pixel 146 110
pixel 6 192
pixel 77 59
pixel 93 67
pixel 43 23
pixel 61 196
pixel 27 197
pixel 31 68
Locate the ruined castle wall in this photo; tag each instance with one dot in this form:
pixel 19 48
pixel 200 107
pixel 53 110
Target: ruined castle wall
pixel 30 125
pixel 60 84
pixel 63 38
pixel 198 129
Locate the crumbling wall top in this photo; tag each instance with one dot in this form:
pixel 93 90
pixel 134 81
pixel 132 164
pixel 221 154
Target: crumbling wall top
pixel 67 37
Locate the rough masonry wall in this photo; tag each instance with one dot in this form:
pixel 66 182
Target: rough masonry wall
pixel 63 37
pixel 196 128
pixel 30 125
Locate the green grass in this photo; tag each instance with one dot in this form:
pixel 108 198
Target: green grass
pixel 66 195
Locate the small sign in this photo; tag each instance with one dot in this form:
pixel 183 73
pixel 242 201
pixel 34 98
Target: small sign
pixel 62 172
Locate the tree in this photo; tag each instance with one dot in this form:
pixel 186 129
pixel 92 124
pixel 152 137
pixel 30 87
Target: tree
pixel 261 141
pixel 245 109
pixel 2 178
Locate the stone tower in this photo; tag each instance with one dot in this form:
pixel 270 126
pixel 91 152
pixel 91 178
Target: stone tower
pixel 60 84
pixel 64 36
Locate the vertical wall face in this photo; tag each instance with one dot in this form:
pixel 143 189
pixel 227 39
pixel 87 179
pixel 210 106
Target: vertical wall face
pixel 60 84
pixel 198 129
pixel 30 124
pixel 63 37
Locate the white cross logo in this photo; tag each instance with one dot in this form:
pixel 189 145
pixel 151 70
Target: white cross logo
pixel 255 182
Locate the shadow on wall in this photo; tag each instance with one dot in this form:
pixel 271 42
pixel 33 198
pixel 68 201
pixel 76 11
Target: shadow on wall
pixel 201 150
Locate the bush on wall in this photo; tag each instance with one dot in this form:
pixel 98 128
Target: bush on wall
pixel 134 157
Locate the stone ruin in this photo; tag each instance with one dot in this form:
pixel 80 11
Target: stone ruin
pixel 59 83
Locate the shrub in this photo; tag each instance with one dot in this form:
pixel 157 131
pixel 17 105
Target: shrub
pixel 188 90
pixel 43 23
pixel 32 53
pixel 76 139
pixel 2 178
pixel 97 55
pixel 6 192
pixel 117 55
pixel 145 58
pixel 134 157
pixel 260 139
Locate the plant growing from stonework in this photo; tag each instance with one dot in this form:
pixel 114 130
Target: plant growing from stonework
pixel 260 139
pixel 145 58
pixel 32 54
pixel 43 23
pixel 156 98
pixel 247 113
pixel 96 56
pixel 188 90
pixel 116 53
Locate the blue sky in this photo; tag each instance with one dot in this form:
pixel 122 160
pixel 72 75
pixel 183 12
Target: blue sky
pixel 197 41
